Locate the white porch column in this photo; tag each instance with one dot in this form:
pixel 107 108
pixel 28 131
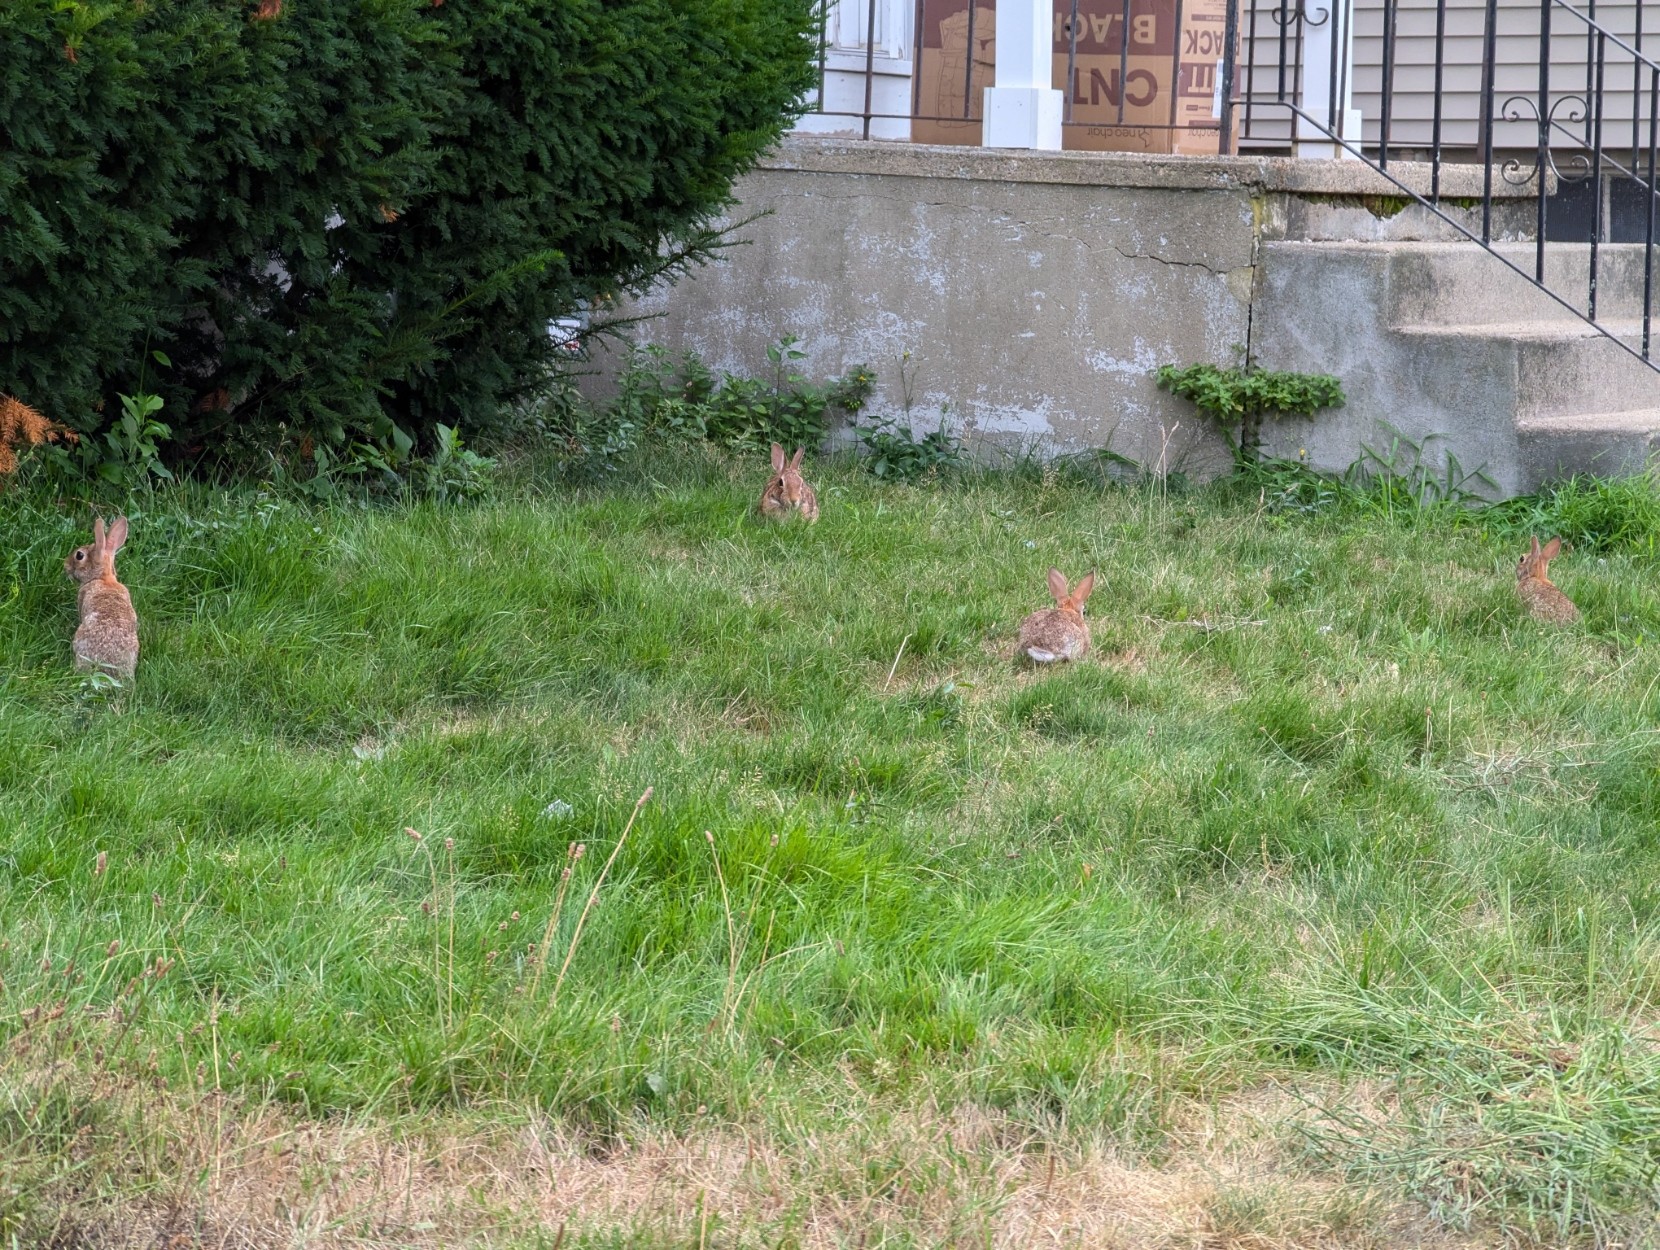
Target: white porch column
pixel 1319 90
pixel 1024 109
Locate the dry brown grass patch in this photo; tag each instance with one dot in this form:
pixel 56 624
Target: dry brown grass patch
pixel 193 1168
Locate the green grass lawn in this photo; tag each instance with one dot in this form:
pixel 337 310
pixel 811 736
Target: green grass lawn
pixel 1319 905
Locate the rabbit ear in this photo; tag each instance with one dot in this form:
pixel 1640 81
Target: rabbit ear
pixel 1083 588
pixel 777 458
pixel 117 538
pixel 795 460
pixel 1057 585
pixel 97 533
pixel 1534 549
pixel 1551 550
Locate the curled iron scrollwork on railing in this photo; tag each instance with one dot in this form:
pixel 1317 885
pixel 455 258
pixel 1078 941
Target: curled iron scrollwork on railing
pixel 1287 15
pixel 1521 108
pixel 1585 122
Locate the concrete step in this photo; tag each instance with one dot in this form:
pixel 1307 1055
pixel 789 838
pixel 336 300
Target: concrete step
pixel 1606 444
pixel 1471 281
pixel 1442 347
pixel 1560 368
pixel 1626 329
pixel 1460 283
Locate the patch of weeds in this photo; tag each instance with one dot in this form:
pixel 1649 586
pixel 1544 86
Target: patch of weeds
pixel 1405 476
pixel 663 396
pixel 894 453
pixel 1291 585
pixel 1400 480
pixel 940 708
pixel 1238 398
pixel 750 413
pixel 1608 515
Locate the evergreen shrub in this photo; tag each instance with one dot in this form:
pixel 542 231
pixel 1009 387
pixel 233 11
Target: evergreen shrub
pixel 346 222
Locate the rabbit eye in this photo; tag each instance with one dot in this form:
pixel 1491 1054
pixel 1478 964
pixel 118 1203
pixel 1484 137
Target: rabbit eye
pixel 80 555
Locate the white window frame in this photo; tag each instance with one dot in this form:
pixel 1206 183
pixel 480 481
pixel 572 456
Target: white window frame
pixel 845 27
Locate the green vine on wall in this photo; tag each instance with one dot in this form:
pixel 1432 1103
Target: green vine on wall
pixel 1238 398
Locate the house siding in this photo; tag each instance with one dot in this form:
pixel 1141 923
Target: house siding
pixel 1516 55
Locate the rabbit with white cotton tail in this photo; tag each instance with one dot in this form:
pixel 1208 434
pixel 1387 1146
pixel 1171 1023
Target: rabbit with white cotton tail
pixel 1058 633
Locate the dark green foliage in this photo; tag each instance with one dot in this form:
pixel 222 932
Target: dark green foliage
pixel 605 132
pixel 185 153
pixel 1245 394
pixel 753 412
pixel 895 453
pixel 680 397
pixel 346 221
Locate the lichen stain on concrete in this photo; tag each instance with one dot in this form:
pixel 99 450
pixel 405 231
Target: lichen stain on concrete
pixel 1136 286
pixel 1008 419
pixel 1241 283
pixel 881 343
pixel 918 248
pixel 1143 361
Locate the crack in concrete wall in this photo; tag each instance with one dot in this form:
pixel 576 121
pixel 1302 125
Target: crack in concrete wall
pixel 1034 313
pixel 1035 299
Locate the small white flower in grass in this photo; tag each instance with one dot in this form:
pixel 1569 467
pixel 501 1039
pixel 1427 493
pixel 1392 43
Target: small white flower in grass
pixel 557 808
pixel 1326 629
pixel 1029 545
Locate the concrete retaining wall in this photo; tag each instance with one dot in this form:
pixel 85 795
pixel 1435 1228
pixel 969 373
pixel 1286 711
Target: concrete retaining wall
pixel 1024 297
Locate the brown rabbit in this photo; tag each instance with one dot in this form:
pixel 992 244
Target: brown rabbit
pixel 1542 599
pixel 1058 633
pixel 108 635
pixel 788 491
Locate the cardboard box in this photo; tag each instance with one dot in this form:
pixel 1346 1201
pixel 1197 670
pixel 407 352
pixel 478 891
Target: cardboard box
pixel 1145 73
pixel 958 62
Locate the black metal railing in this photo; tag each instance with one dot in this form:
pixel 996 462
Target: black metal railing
pixel 1567 106
pixel 1537 93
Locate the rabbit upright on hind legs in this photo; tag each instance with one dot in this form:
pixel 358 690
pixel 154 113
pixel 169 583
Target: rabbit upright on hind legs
pixel 107 638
